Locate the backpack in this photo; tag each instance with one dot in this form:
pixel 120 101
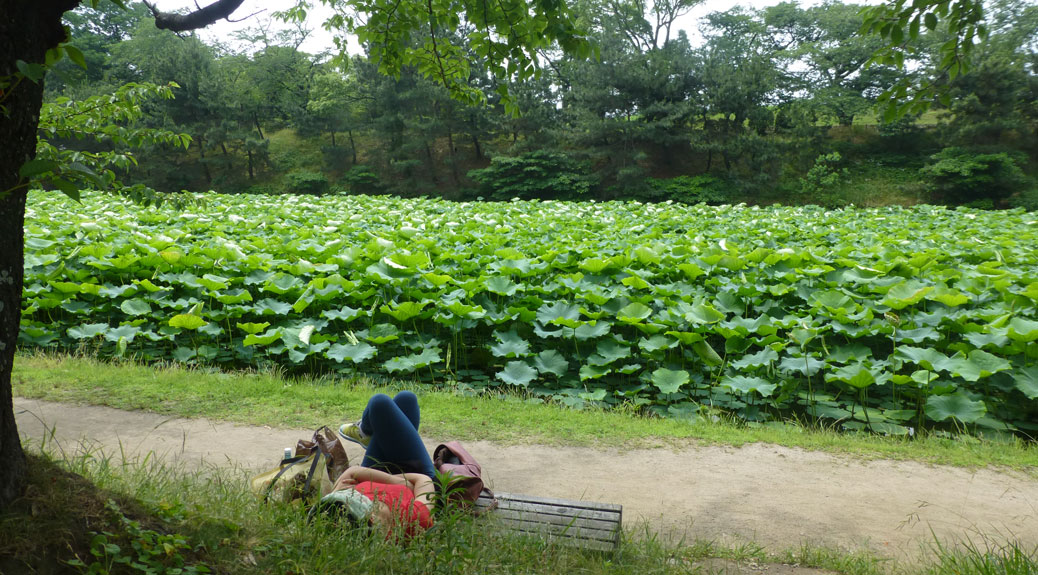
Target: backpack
pixel 310 474
pixel 466 484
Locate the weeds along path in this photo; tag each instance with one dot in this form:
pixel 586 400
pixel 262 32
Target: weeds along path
pixel 773 496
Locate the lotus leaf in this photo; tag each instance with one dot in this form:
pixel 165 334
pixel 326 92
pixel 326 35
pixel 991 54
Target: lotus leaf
pixel 669 381
pixel 357 353
pixel 551 361
pixel 744 384
pixel 957 406
pixel 187 321
pixel 517 373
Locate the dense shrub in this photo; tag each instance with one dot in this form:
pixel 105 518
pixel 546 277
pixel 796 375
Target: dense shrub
pixel 305 182
pixel 361 179
pixel 819 184
pixel 690 190
pixel 962 176
pixel 534 175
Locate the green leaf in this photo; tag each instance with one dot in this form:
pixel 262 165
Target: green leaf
pixel 949 297
pixel 187 321
pixel 957 406
pixel 1023 330
pixel 551 361
pixel 1026 380
pixel 184 354
pixel 75 55
pixel 510 345
pixel 135 307
pixel 265 339
pixel 926 357
pixel 745 384
pixel 591 330
pixel 34 168
pixel 856 375
pixel 804 365
pixel 703 314
pixel 978 364
pixel 634 313
pixel 669 381
pixel 382 333
pixel 267 306
pixel 126 333
pixel 357 353
pixel 552 314
pixel 655 343
pixel 501 285
pixel 588 371
pixel 612 351
pixel 517 373
pixel 213 282
pixel 409 363
pixel 252 328
pixel 87 331
pixel 905 294
pixel 346 314
pixel 706 353
pixel 764 357
pixel 404 310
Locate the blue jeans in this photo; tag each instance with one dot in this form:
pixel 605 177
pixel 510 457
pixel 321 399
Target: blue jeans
pixel 392 425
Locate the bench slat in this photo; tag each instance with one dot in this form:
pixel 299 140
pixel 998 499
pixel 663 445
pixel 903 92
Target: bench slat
pixel 593 505
pixel 592 544
pixel 531 517
pixel 562 536
pixel 559 510
pixel 586 524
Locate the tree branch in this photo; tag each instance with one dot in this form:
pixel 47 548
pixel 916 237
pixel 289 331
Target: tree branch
pixel 193 20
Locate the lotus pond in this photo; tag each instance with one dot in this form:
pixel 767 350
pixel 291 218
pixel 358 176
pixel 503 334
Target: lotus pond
pixel 882 319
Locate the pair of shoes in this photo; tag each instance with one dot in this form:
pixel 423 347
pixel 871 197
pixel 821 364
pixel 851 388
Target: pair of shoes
pixel 352 432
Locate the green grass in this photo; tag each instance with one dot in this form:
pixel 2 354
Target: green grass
pixel 871 186
pixel 227 529
pixel 985 558
pixel 172 517
pixel 267 399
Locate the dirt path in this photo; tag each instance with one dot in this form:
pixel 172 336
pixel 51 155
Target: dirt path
pixel 775 496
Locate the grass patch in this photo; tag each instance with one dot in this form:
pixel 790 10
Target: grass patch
pixel 179 519
pixel 268 399
pixel 147 516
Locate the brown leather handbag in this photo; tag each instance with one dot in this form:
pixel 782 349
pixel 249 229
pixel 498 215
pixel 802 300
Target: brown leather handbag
pixel 467 485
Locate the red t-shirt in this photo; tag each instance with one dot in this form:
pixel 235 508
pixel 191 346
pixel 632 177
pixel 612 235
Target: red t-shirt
pixel 400 499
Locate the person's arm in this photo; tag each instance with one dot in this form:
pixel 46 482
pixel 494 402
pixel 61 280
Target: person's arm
pixel 418 483
pixel 421 485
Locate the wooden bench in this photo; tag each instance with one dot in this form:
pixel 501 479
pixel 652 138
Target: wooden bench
pixel 584 524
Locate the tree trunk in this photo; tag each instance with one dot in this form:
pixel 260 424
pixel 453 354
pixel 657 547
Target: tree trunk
pixel 479 150
pixel 353 146
pixel 249 154
pixel 255 120
pixel 205 164
pixel 333 138
pixel 27 30
pixel 453 157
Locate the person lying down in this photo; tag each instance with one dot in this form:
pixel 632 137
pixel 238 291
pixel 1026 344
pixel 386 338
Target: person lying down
pixel 393 486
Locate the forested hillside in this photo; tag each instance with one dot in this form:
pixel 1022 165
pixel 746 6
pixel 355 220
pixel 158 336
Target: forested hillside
pixel 770 106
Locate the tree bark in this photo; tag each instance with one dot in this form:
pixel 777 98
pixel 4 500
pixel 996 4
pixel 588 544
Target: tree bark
pixel 192 21
pixel 255 120
pixel 27 30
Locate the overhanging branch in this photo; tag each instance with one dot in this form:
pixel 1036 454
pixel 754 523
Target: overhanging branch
pixel 193 20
